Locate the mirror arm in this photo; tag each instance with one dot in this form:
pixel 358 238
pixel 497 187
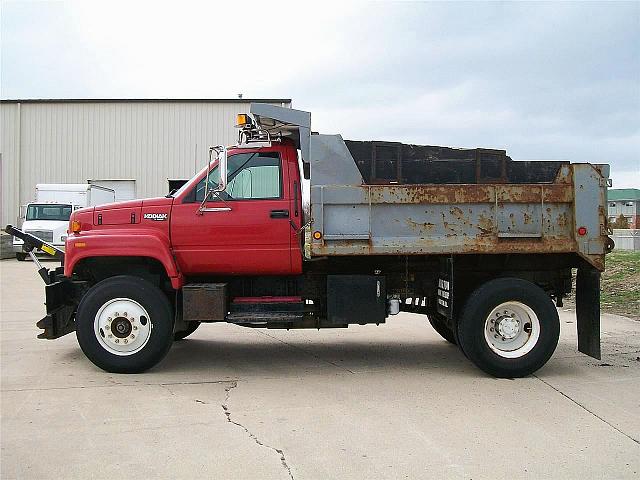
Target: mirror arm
pixel 218 194
pixel 206 184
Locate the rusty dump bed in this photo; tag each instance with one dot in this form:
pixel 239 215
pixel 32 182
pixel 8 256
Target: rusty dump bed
pixel 380 198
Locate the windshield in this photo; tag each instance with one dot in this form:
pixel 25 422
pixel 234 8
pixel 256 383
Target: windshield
pixel 48 212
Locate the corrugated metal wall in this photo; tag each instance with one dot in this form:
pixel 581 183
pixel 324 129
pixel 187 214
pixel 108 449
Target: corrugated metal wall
pixel 72 142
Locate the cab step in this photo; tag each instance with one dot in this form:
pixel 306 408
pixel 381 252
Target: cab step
pixel 266 310
pixel 263 318
pixel 260 305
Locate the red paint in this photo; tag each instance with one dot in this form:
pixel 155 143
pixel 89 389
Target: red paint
pixel 243 241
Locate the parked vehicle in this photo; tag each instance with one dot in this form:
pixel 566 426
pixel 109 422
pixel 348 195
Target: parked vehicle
pixel 480 244
pixel 48 216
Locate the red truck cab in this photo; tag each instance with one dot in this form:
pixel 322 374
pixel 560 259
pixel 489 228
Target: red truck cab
pixel 252 227
pixel 249 228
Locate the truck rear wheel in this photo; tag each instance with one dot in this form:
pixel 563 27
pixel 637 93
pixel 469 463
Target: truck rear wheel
pixel 182 334
pixel 124 324
pixel 509 327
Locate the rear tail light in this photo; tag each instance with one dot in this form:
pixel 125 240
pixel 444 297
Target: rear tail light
pixel 582 231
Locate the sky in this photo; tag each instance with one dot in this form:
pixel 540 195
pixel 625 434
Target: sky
pixel 545 81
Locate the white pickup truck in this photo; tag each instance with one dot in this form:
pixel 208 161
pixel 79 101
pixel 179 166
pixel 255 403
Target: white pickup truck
pixel 48 216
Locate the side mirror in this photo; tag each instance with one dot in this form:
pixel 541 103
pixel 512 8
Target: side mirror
pixel 221 155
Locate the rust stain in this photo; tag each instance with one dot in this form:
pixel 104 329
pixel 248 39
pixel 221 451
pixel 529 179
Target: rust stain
pixel 413 224
pixel 527 218
pixel 485 225
pixel 562 219
pixel 456 244
pixel 464 193
pixel 457 212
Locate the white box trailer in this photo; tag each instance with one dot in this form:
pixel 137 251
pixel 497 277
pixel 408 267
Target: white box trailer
pixel 125 188
pixel 48 216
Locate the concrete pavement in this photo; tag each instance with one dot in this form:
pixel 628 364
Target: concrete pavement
pixel 393 401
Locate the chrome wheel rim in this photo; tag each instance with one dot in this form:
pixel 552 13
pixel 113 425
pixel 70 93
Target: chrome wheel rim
pixel 122 326
pixel 512 329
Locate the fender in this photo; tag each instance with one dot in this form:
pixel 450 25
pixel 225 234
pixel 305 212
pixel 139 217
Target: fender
pixel 119 242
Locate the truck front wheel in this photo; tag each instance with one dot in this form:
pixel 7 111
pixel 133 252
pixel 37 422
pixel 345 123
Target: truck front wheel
pixel 21 257
pixel 509 327
pixel 124 324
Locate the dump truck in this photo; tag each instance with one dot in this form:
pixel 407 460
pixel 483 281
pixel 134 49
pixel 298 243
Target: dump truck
pixel 293 229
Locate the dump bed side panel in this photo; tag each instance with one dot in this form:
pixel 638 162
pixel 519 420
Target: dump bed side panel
pixel 443 219
pixel 358 218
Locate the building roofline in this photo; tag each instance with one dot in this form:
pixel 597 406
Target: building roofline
pixel 624 194
pixel 146 100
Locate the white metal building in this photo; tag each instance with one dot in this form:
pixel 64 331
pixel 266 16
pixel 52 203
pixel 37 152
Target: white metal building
pixel 135 144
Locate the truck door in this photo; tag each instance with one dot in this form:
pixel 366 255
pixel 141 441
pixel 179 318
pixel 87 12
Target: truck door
pixel 245 229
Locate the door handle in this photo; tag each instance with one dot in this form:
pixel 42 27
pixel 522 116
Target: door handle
pixel 279 214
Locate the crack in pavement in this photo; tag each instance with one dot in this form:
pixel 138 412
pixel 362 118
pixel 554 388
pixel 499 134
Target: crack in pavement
pixel 587 410
pixel 227 412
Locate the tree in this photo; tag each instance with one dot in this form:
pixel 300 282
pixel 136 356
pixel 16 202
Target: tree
pixel 620 222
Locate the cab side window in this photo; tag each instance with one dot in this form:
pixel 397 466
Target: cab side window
pixel 258 178
pixel 251 176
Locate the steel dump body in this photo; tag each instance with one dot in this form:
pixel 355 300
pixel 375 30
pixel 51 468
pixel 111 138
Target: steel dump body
pixel 355 218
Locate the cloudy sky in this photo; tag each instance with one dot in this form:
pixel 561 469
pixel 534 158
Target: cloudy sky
pixel 544 81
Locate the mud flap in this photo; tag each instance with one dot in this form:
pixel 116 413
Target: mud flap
pixel 588 310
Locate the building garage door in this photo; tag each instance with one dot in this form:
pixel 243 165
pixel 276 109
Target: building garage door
pixel 125 189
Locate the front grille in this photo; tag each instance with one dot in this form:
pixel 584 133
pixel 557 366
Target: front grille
pixel 44 235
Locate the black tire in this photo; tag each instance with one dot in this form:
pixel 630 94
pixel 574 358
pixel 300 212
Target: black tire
pixel 182 334
pixel 478 307
pixel 442 328
pixel 151 298
pixel 21 257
